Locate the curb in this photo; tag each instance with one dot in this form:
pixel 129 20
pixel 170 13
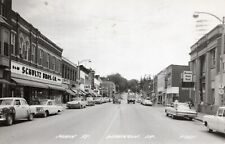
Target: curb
pixel 198 119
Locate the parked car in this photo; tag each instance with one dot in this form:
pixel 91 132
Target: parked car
pixel 147 102
pixel 77 102
pixel 46 107
pixel 14 108
pixel 215 122
pixel 90 101
pixel 98 100
pixel 180 110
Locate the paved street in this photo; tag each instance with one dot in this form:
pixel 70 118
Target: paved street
pixel 109 124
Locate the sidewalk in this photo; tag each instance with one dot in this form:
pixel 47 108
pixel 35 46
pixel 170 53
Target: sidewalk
pixel 200 116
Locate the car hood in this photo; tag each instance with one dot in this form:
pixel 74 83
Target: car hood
pixel 5 106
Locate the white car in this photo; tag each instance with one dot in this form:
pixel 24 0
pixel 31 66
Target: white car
pixel 14 108
pixel 147 102
pixel 180 110
pixel 215 122
pixel 77 103
pixel 46 107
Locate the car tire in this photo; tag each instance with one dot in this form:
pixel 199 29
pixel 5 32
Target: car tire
pixel 9 120
pixel 45 114
pixel 173 116
pixel 167 114
pixel 30 117
pixel 209 130
pixel 190 119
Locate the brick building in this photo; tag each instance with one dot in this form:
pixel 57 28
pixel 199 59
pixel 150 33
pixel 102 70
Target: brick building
pixel 169 86
pixel 34 60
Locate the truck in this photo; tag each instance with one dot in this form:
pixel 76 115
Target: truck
pixel 116 99
pixel 215 122
pixel 131 98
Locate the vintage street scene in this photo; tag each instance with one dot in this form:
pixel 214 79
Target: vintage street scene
pixel 112 72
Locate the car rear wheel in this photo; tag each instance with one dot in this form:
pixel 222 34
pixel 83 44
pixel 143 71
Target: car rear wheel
pixel 30 117
pixel 9 120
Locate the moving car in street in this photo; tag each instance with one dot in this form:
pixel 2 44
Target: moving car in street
pixel 215 122
pixel 77 102
pixel 177 109
pixel 46 107
pixel 131 98
pixel 13 108
pixel 90 101
pixel 147 102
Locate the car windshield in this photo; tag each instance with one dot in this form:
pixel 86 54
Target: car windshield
pixel 183 106
pixel 6 101
pixel 43 102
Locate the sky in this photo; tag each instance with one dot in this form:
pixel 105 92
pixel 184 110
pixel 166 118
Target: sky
pixel 135 38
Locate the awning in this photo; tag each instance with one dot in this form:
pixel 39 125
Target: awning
pixel 29 83
pixel 70 92
pixel 55 87
pixel 6 82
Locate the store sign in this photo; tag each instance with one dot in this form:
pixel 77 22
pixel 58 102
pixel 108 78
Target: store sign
pixel 187 76
pixel 36 74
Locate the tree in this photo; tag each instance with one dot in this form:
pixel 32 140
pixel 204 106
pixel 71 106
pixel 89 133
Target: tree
pixel 120 82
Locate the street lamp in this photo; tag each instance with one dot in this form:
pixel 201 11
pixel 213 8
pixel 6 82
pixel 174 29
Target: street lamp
pixel 222 21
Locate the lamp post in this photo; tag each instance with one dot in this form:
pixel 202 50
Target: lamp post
pixel 222 21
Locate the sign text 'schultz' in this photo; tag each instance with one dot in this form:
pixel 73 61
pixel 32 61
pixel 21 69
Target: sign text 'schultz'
pixel 38 74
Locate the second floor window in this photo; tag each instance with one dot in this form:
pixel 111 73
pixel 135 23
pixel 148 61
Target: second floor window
pixel 13 43
pixel 53 63
pixel 41 55
pixel 47 60
pixel 33 52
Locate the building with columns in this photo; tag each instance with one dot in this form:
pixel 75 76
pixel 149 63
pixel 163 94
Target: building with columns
pixel 208 76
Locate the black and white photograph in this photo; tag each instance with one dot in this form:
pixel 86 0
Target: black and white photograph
pixel 112 72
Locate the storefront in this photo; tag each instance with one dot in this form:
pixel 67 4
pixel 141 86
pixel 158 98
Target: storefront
pixel 32 83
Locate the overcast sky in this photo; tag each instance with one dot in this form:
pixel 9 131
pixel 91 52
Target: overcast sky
pixel 131 37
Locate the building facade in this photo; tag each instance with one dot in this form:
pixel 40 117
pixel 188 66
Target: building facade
pixel 69 79
pixel 208 76
pixel 34 60
pixel 169 85
pixel 5 31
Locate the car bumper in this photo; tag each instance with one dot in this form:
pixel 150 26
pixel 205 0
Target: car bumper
pixel 2 118
pixel 189 115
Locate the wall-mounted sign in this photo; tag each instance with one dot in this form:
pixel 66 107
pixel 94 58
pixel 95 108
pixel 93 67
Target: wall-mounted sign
pixel 187 76
pixel 39 75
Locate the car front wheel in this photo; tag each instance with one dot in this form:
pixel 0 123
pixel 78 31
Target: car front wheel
pixel 9 120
